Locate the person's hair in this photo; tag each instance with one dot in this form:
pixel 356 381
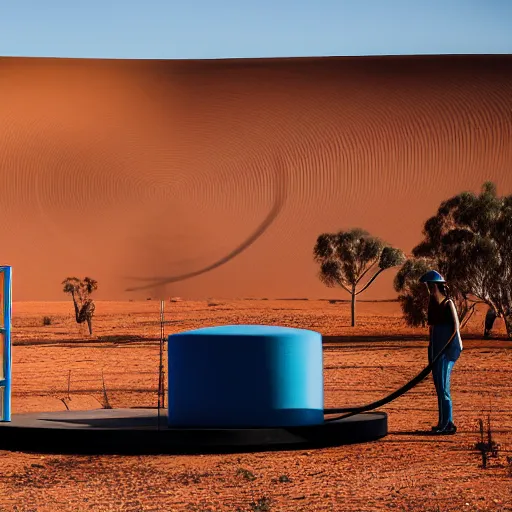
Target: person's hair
pixel 443 288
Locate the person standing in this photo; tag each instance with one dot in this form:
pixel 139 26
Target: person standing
pixel 443 323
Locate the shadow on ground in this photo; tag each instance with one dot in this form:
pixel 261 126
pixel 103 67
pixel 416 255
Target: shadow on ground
pixel 117 339
pixel 364 338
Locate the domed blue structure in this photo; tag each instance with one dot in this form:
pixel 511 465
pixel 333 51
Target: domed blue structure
pixel 242 376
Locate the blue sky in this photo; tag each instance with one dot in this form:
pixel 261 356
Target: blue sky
pixel 204 29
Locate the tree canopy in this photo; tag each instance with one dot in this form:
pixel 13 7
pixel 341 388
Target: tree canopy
pixel 346 258
pixel 469 241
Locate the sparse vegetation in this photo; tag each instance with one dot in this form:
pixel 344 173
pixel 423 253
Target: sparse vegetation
pixel 80 291
pixel 191 477
pixel 69 385
pixel 106 402
pixel 47 320
pixel 245 473
pixel 509 464
pixel 263 504
pixel 487 447
pixel 468 241
pixel 347 257
pixel 65 403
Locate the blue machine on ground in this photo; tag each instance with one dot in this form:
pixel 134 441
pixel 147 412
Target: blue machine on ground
pixel 245 376
pixel 231 388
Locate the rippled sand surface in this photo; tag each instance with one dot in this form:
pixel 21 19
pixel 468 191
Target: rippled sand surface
pixel 120 169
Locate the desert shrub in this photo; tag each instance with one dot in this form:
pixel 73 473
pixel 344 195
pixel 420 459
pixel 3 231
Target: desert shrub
pixel 245 473
pixel 263 504
pixel 487 447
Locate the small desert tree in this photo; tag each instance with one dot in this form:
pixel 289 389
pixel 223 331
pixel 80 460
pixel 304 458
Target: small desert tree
pixel 469 240
pixel 80 291
pixel 347 257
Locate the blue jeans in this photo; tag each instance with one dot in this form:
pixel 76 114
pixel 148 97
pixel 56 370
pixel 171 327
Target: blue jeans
pixel 442 370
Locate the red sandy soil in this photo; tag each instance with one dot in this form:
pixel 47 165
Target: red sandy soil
pixel 403 472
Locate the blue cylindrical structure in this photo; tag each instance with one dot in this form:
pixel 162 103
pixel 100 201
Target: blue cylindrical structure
pixel 245 376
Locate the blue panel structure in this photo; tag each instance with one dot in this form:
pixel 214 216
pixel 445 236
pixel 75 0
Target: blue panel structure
pixel 5 336
pixel 245 376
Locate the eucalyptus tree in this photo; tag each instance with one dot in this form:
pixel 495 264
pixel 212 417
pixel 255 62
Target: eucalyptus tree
pixel 348 258
pixel 469 241
pixel 80 291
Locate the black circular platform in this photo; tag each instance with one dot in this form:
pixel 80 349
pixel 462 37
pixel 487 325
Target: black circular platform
pixel 139 431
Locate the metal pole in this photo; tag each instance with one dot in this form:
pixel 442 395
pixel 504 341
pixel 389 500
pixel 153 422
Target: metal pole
pixel 160 367
pixel 6 331
pixel 162 345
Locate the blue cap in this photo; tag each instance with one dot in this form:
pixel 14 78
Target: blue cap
pixel 432 277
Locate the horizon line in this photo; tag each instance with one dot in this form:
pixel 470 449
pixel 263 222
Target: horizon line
pixel 265 58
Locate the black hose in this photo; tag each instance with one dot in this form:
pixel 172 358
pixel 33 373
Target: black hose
pixel 351 411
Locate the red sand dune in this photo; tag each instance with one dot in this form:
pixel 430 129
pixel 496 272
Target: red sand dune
pixel 121 168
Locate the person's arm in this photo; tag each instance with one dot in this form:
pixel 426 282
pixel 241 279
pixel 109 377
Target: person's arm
pixel 455 316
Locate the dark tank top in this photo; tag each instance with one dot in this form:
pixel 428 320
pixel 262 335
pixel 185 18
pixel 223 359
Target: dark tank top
pixel 439 313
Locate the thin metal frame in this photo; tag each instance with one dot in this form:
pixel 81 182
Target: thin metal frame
pixel 161 384
pixel 6 331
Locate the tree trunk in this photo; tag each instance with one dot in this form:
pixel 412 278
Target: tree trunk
pixel 353 308
pixel 77 312
pixel 89 324
pixel 508 324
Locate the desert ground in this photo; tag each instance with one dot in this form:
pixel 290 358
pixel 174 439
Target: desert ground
pixel 405 471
